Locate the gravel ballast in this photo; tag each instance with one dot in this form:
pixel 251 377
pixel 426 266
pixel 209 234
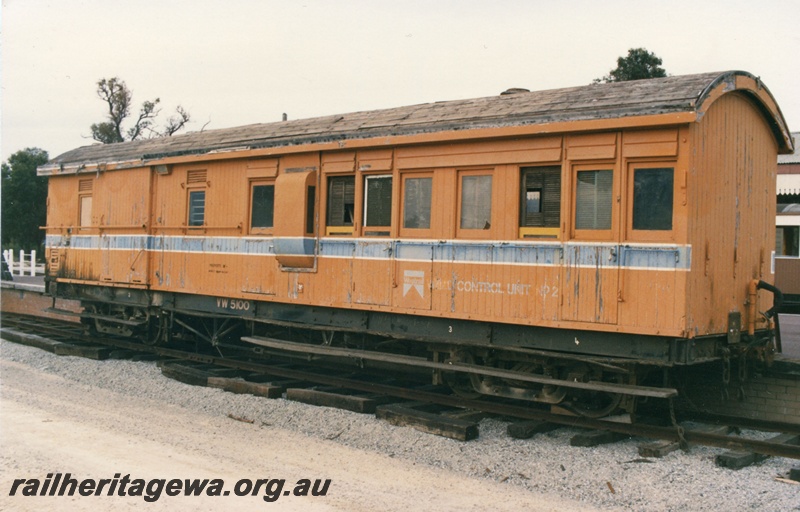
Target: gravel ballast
pixel 544 469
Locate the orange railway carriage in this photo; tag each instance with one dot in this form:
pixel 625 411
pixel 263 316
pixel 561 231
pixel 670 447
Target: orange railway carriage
pixel 625 222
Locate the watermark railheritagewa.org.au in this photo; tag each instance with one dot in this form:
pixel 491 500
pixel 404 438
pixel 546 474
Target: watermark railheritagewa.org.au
pixel 64 484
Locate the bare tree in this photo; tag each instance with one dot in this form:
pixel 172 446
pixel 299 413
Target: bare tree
pixel 176 122
pixel 115 93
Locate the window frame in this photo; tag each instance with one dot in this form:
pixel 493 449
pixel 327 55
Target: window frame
pixel 415 232
pixel 609 234
pixel 189 193
pixel 643 235
pixel 377 230
pixel 494 219
pixel 85 194
pixel 540 232
pixel 260 230
pixel 339 229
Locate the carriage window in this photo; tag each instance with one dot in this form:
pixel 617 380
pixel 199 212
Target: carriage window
pixel 593 199
pixel 377 203
pixel 341 200
pixel 197 207
pixel 263 206
pixel 652 199
pixel 476 202
pixel 417 203
pixel 540 204
pixel 85 203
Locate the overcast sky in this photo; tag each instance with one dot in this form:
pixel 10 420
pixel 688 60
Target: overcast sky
pixel 237 62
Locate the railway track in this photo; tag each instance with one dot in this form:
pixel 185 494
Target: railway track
pixel 401 402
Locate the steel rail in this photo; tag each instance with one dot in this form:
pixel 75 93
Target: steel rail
pixel 698 437
pixel 455 366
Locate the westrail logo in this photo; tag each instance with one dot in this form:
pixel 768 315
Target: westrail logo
pixel 414 279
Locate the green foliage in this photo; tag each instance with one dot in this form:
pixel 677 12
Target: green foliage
pixel 637 65
pixel 118 98
pixel 24 200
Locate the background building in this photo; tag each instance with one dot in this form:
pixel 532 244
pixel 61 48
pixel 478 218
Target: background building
pixel 787 222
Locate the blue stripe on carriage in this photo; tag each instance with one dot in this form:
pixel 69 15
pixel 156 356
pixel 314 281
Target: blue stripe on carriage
pixel 599 255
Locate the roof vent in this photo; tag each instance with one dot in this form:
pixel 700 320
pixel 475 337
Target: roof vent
pixel 513 90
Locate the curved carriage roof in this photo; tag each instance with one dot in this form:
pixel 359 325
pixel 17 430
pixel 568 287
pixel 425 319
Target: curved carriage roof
pixel 689 94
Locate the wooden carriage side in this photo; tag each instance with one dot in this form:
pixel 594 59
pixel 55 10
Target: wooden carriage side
pixel 178 215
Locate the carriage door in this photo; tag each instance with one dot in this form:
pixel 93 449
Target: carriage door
pixel 374 252
pixel 591 260
pixel 414 255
